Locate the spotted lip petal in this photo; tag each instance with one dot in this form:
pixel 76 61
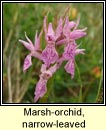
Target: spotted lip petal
pixel 69 51
pixel 49 55
pixel 40 89
pixel 27 63
pixel 69 67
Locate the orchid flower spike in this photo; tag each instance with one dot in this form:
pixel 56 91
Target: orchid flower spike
pixel 66 34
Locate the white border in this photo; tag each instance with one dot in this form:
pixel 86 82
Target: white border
pixel 14 104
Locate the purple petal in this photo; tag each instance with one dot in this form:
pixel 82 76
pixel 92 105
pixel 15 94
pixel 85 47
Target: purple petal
pixel 60 42
pixel 43 68
pixel 69 51
pixel 76 34
pixel 53 68
pixel 37 41
pixel 59 28
pixel 79 51
pixel 66 29
pixel 69 67
pixel 37 54
pixel 71 24
pixel 61 59
pixel 29 41
pixel 27 63
pixel 50 37
pixel 44 24
pixel 47 73
pixel 49 55
pixel 77 23
pixel 26 44
pixel 50 29
pixel 40 89
pixel 36 38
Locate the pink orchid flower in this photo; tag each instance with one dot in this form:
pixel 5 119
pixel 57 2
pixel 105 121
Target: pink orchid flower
pixel 34 50
pixel 70 51
pixel 70 32
pixel 49 54
pixel 41 89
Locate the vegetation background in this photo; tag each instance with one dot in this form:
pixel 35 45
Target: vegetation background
pixel 18 87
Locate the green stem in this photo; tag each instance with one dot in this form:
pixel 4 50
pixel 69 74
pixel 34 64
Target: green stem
pixel 80 99
pixel 99 87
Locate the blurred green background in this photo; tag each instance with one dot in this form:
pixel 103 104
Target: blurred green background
pixel 18 87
